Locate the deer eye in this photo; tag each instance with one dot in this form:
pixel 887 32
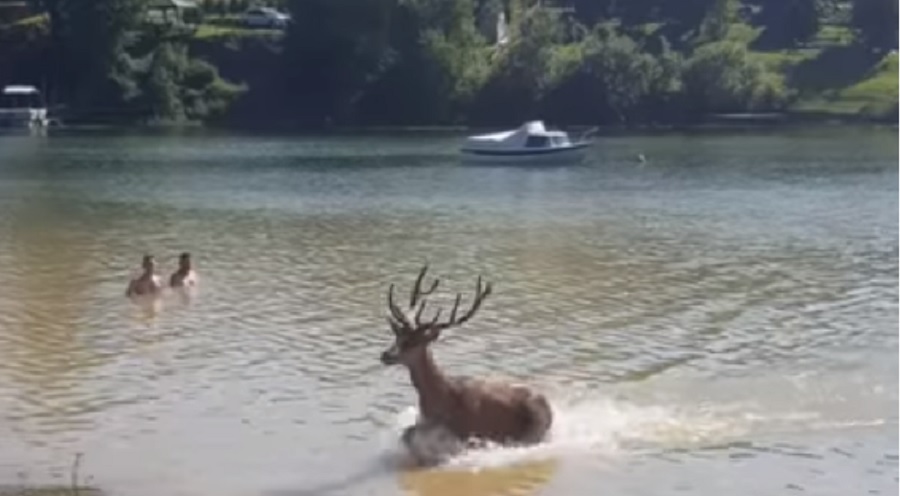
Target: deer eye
pixel 409 341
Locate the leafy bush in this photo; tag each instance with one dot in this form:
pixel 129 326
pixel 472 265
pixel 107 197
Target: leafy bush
pixel 724 77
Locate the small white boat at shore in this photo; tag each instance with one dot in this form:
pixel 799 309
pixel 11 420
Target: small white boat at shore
pixel 530 143
pixel 22 107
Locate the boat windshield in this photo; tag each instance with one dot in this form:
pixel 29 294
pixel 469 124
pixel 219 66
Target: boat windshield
pixel 20 100
pixel 537 142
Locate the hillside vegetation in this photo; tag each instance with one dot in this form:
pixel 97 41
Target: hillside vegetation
pixel 415 62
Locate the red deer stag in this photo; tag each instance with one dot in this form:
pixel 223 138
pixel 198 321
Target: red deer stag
pixel 464 410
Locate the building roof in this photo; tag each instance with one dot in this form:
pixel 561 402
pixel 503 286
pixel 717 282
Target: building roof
pixel 19 90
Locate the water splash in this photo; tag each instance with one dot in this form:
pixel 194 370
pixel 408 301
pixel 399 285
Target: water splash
pixel 600 428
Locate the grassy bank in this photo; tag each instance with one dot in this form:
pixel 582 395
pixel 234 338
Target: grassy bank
pixel 833 77
pixel 229 27
pixel 848 82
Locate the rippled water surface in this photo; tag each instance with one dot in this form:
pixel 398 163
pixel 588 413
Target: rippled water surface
pixel 721 319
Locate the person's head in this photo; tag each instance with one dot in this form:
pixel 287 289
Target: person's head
pixel 148 263
pixel 184 261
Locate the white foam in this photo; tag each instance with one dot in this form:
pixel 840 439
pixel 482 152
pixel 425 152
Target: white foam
pixel 604 428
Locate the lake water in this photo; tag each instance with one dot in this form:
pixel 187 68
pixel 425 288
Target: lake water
pixel 721 319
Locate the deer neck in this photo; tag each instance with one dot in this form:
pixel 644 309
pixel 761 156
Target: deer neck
pixel 430 383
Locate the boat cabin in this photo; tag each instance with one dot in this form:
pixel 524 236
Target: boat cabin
pixel 21 97
pixel 546 140
pixel 22 106
pixel 530 135
pixel 530 141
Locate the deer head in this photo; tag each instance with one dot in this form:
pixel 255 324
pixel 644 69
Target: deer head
pixel 411 334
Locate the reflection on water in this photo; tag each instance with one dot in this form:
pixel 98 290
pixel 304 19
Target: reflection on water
pixel 517 479
pixel 43 354
pixel 695 314
pixel 147 307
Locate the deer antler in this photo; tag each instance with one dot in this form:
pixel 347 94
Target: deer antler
pixel 399 316
pixel 417 289
pixel 401 323
pixel 417 293
pixel 480 295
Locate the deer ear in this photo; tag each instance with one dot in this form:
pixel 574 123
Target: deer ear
pixel 396 328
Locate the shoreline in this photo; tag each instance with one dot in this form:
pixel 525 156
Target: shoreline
pixel 49 490
pixel 712 123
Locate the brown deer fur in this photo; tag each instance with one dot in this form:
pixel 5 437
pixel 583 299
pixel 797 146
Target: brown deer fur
pixel 473 410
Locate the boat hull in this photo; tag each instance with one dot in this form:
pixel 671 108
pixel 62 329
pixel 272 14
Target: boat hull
pixel 23 119
pixel 566 154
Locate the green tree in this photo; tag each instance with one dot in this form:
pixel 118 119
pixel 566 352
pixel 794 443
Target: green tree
pixel 789 22
pixel 686 15
pixel 607 77
pixel 177 87
pixel 665 86
pixel 717 21
pixel 439 61
pixel 59 68
pixel 723 77
pixel 590 12
pixel 459 52
pixel 89 41
pixel 96 37
pixel 876 22
pixel 238 6
pixel 109 59
pixel 335 50
pixel 620 71
pixel 526 62
pixel 161 88
pixel 487 14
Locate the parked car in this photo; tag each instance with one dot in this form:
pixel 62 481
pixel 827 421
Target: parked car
pixel 265 17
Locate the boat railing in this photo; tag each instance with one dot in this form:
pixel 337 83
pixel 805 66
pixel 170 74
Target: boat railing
pixel 586 135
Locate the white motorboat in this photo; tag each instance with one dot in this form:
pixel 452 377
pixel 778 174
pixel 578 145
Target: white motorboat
pixel 22 107
pixel 530 143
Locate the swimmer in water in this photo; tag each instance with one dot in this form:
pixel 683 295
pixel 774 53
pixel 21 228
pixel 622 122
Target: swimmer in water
pixel 148 282
pixel 185 275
